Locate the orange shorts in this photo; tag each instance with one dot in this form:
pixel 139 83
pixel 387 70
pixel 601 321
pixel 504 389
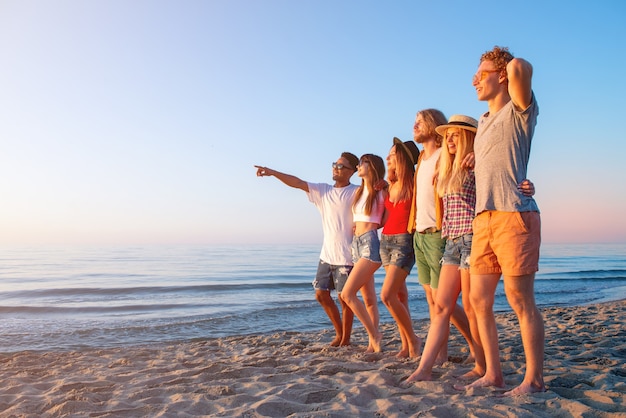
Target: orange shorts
pixel 506 243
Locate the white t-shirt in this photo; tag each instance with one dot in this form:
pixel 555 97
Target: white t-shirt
pixel 335 206
pixel 426 215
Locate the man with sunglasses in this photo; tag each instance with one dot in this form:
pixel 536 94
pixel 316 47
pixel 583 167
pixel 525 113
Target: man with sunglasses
pixel 335 205
pixel 507 226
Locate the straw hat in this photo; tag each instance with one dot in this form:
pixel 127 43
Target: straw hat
pixel 458 121
pixel 410 148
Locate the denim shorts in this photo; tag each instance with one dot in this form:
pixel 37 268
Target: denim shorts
pixel 397 250
pixel 457 252
pixel 366 246
pixel 329 277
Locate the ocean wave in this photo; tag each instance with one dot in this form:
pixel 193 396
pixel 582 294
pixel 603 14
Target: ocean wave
pixel 148 290
pixel 611 274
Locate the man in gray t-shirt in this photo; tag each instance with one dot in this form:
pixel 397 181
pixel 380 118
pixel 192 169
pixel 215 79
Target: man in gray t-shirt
pixel 507 227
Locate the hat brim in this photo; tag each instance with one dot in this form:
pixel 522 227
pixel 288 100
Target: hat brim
pixel 441 129
pixel 398 141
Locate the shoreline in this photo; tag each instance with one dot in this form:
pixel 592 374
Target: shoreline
pixel 297 374
pixel 312 328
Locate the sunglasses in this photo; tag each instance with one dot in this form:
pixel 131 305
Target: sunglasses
pixel 341 166
pixel 481 75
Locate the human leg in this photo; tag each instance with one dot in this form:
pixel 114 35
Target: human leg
pixel 340 277
pixel 398 257
pixel 368 292
pixel 445 300
pixel 347 318
pixel 520 294
pixel 482 295
pixel 323 284
pixel 464 245
pixel 485 274
pixel 362 272
pixel 403 296
pixel 432 247
pixel 431 294
pixel 461 322
pixel 423 269
pixel 479 354
pixel 394 287
pixel 325 299
pixel 517 239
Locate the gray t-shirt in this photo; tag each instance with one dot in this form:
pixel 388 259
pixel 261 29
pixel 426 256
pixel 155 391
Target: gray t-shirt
pixel 502 150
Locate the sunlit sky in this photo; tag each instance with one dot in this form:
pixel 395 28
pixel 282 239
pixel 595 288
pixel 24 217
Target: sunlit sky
pixel 139 122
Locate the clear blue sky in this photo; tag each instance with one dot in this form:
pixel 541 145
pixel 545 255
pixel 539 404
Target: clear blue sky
pixel 139 122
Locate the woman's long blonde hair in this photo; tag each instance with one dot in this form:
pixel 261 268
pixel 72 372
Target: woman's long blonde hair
pixel 452 174
pixel 376 173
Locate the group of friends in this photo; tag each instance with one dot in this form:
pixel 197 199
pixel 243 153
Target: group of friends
pixel 461 211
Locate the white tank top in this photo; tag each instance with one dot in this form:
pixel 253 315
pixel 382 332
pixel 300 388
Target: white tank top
pixel 426 216
pixel 358 210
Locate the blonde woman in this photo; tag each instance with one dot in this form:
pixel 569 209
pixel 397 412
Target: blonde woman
pixel 456 183
pixel 367 211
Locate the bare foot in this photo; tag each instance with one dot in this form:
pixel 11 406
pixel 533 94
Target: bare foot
pixel 419 376
pixel 336 342
pixel 440 360
pixel 483 382
pixel 442 356
pixel 370 349
pixel 469 359
pixel 404 353
pixel 375 343
pixel 415 348
pixel 344 343
pixel 524 389
pixel 471 375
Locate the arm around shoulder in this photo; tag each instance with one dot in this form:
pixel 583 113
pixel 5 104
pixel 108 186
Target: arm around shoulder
pixel 520 72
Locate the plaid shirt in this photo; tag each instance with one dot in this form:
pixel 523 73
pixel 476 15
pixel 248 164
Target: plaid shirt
pixel 459 209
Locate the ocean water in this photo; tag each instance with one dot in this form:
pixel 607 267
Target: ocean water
pixel 73 298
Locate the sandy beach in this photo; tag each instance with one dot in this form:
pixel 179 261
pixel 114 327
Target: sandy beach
pixel 299 375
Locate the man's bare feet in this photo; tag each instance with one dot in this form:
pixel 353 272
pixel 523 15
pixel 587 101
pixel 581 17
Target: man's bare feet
pixel 524 389
pixel 336 342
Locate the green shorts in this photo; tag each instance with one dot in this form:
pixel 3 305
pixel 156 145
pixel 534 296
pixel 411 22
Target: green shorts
pixel 429 249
